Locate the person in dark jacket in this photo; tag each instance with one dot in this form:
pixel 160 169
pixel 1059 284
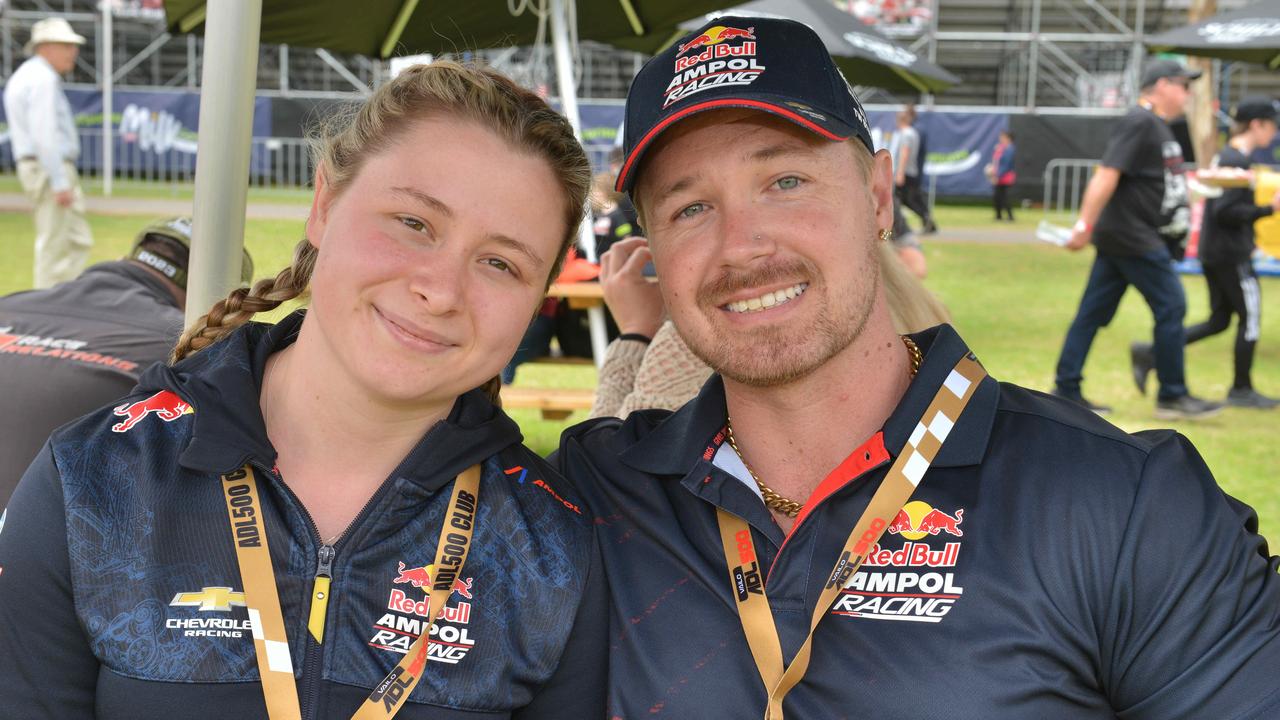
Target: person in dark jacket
pixel 848 522
pixel 330 516
pixel 74 347
pixel 1226 255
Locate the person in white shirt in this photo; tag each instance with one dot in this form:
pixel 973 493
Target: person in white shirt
pixel 43 133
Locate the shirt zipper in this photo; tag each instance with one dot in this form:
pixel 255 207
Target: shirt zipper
pixel 313 653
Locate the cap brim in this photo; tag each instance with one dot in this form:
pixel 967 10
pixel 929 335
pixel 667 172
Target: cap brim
pixel 830 128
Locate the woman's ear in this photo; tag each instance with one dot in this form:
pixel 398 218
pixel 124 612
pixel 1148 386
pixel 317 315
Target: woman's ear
pixel 320 203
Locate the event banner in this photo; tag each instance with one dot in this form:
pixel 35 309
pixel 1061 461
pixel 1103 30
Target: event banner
pixel 957 146
pixel 154 131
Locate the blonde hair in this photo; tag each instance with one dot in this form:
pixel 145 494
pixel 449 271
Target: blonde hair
pixel 912 306
pixel 346 141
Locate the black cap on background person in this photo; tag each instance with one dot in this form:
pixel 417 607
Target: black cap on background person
pixel 1256 108
pixel 1163 69
pixel 165 247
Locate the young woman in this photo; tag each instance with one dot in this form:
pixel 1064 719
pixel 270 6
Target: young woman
pixel 268 526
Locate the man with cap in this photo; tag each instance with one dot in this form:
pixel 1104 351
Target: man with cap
pixel 79 345
pixel 849 522
pixel 1135 212
pixel 42 131
pixel 1226 256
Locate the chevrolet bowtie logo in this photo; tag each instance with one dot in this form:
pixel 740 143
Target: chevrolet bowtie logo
pixel 210 598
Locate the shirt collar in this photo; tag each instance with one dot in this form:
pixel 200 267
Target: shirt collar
pixel 689 435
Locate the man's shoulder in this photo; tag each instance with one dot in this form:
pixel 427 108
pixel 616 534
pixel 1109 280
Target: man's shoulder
pixel 1231 157
pixel 1029 421
pixel 33 69
pixel 611 435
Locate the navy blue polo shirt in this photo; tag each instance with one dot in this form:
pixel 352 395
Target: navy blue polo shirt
pixel 1049 565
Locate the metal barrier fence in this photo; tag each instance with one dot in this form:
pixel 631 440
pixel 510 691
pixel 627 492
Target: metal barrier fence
pixel 274 161
pixel 1064 182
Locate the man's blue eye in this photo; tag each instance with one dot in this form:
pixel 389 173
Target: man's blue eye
pixel 789 182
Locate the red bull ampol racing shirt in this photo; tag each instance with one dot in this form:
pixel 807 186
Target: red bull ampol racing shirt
pixel 1048 566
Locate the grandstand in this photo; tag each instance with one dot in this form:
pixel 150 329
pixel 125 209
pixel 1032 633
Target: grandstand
pixel 1057 68
pixel 1015 55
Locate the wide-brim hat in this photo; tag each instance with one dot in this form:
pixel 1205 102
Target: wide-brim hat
pixel 52 30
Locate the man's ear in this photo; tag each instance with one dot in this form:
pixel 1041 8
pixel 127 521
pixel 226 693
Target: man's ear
pixel 320 204
pixel 882 188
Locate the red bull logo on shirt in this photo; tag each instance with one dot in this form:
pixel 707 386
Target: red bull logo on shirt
pixel 917 520
pixel 164 404
pixel 916 582
pixel 408 613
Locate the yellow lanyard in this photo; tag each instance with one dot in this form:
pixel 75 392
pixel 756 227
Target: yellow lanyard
pixel 894 492
pixel 271 643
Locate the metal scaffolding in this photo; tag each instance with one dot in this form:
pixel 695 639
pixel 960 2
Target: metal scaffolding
pixel 1037 56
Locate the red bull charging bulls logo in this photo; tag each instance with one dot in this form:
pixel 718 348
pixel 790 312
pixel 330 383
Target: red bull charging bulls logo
pixel 407 615
pixel 717 34
pixel 918 519
pixel 421 577
pixel 167 406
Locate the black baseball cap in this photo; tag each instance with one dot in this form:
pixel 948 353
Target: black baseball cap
pixel 1161 69
pixel 770 64
pixel 1255 108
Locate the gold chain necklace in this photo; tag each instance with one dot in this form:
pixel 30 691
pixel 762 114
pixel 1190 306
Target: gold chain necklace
pixel 772 499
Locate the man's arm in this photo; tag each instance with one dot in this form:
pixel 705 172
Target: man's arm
pixel 42 124
pixel 1189 626
pixel 1096 196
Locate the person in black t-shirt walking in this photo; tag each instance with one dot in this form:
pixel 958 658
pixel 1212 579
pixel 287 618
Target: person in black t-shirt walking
pixel 1226 250
pixel 1135 213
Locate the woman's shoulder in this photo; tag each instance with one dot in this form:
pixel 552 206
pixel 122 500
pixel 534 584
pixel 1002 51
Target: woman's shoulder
pixel 539 488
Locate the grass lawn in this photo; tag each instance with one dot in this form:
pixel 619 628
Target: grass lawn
pixel 176 190
pixel 1011 302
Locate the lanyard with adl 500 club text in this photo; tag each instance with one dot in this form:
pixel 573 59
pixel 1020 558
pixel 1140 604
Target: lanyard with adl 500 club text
pixel 894 492
pixel 271 642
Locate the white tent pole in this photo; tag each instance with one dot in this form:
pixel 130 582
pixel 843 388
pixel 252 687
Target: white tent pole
pixel 108 99
pixel 228 82
pixel 569 105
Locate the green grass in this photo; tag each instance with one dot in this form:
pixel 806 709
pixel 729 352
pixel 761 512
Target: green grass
pixel 1012 303
pixel 92 186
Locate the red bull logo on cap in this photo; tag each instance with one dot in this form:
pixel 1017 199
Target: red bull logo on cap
pixel 164 404
pixel 918 519
pixel 715 35
pixel 711 43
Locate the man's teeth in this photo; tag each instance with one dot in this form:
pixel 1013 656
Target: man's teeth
pixel 768 300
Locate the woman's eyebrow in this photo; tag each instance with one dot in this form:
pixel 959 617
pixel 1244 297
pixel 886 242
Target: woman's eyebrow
pixel 425 199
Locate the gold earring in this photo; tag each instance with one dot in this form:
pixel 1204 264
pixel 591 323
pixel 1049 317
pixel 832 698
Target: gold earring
pixel 886 234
